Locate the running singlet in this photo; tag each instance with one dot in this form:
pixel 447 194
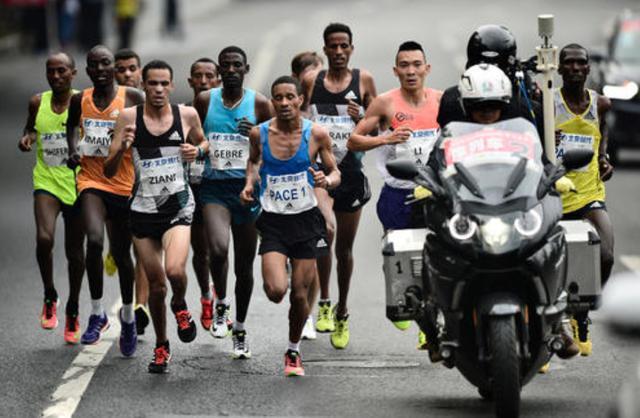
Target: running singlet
pixel 51 172
pixel 580 132
pixel 96 133
pixel 286 185
pixel 330 110
pixel 423 122
pixel 228 150
pixel 160 178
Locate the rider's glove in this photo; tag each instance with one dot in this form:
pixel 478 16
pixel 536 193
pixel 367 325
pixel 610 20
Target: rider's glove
pixel 564 185
pixel 421 192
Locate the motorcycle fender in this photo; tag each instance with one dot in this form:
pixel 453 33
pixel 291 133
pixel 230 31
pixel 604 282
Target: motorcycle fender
pixel 499 304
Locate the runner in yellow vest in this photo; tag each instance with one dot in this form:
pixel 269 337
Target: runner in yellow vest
pixel 580 124
pixel 54 191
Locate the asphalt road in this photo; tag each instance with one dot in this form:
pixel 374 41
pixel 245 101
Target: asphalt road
pixel 380 373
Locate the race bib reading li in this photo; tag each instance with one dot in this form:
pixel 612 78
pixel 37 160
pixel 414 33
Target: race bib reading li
pixel 418 147
pixel 54 148
pixel 573 141
pixel 228 151
pixel 340 129
pixel 162 176
pixel 288 194
pixel 97 137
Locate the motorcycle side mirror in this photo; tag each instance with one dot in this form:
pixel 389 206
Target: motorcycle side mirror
pixel 402 169
pixel 576 158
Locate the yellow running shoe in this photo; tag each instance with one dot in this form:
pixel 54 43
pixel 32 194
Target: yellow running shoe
pixel 110 265
pixel 402 325
pixel 582 336
pixel 340 337
pixel 422 341
pixel 325 318
pixel 545 368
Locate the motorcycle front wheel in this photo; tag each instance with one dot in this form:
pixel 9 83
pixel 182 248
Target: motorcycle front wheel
pixel 504 365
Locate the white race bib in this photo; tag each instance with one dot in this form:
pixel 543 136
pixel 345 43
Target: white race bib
pixel 162 176
pixel 196 169
pixel 418 147
pixel 340 129
pixel 54 148
pixel 574 141
pixel 228 151
pixel 97 137
pixel 288 194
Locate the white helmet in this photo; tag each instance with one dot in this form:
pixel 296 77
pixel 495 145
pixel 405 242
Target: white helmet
pixel 484 83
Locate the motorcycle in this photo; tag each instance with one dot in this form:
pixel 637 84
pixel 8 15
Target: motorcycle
pixel 494 258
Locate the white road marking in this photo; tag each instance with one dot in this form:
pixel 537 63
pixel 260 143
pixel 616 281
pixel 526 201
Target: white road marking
pixel 261 66
pixel 76 378
pixel 632 262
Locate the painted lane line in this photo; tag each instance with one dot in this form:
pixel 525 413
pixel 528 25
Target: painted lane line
pixel 75 380
pixel 261 67
pixel 632 262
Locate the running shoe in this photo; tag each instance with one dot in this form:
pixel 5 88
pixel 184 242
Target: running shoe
pixel 96 327
pixel 582 336
pixel 422 341
pixel 49 316
pixel 402 325
pixel 161 359
pixel 545 368
pixel 206 317
pixel 110 264
pixel 187 330
pixel 221 325
pixel 71 329
pixel 240 345
pixel 569 346
pixel 128 337
pixel 143 318
pixel 325 318
pixel 309 331
pixel 340 337
pixel 293 364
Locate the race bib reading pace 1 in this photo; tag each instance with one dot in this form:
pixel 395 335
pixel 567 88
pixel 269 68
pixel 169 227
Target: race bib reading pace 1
pixel 288 194
pixel 162 176
pixel 340 129
pixel 418 147
pixel 228 151
pixel 97 137
pixel 574 141
pixel 54 148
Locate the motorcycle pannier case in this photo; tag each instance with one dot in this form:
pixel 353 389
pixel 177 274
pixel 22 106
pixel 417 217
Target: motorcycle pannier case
pixel 402 266
pixel 583 261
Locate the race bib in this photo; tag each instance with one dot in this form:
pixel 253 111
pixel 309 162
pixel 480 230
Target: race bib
pixel 574 141
pixel 196 169
pixel 162 176
pixel 228 151
pixel 97 137
pixel 288 194
pixel 55 150
pixel 418 147
pixel 340 129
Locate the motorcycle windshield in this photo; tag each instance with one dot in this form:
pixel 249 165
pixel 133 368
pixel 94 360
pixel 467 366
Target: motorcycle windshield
pixel 492 164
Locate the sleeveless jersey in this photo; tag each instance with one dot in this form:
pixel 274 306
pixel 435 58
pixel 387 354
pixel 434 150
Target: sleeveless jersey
pixel 96 133
pixel 580 132
pixel 423 122
pixel 160 178
pixel 330 110
pixel 228 150
pixel 51 172
pixel 286 185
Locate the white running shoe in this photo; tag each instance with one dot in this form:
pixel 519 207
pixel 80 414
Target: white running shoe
pixel 240 346
pixel 309 330
pixel 222 324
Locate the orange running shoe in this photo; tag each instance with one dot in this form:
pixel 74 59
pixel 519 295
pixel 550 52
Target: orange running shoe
pixel 293 364
pixel 71 329
pixel 161 358
pixel 207 313
pixel 49 316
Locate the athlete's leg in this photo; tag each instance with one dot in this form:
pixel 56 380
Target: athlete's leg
pixel 325 204
pixel 245 239
pixel 46 209
pixel 601 221
pixel 314 287
pixel 121 247
pixel 274 275
pixel 150 252
pixel 301 277
pixel 176 250
pixel 141 281
pixel 94 214
pixel 218 223
pixel 347 223
pixel 74 249
pixel 200 260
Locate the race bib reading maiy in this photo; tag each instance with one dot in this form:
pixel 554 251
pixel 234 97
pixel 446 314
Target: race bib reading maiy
pixel 54 148
pixel 418 147
pixel 162 176
pixel 196 169
pixel 228 151
pixel 288 194
pixel 340 129
pixel 574 141
pixel 97 137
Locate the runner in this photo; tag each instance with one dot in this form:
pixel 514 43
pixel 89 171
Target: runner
pixel 407 115
pixel 54 191
pixel 128 68
pixel 305 63
pixel 203 76
pixel 228 113
pixel 580 120
pixel 284 150
pixel 95 110
pixel 335 99
pixel 162 204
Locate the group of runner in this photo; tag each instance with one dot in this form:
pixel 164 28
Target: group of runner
pixel 120 157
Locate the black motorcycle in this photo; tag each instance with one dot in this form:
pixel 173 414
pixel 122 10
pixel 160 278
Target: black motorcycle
pixel 494 258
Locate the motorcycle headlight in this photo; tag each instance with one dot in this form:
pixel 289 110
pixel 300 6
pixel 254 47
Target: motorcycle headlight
pixel 461 227
pixel 626 91
pixel 529 223
pixel 495 232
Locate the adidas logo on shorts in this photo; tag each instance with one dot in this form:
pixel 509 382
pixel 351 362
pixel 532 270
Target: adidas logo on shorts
pixel 355 203
pixel 321 243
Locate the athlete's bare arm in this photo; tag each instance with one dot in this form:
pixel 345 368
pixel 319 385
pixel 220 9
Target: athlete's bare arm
pixel 29 133
pixel 263 110
pixel 73 120
pixel 123 136
pixel 368 88
pixel 322 147
pixel 308 81
pixel 606 169
pixel 196 145
pixel 201 104
pixel 253 165
pixel 377 115
pixel 133 97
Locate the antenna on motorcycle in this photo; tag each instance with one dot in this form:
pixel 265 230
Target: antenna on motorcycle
pixel 547 65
